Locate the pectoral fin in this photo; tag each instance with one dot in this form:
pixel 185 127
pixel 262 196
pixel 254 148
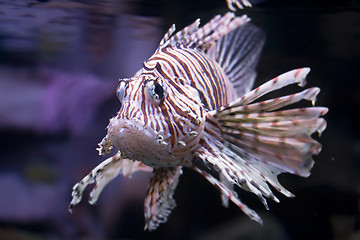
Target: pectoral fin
pixel 280 138
pixel 102 174
pixel 250 143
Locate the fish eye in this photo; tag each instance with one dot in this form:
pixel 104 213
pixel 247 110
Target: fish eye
pixel 156 90
pixel 159 90
pixel 120 92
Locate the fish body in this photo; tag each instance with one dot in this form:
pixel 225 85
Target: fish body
pixel 191 103
pixel 163 127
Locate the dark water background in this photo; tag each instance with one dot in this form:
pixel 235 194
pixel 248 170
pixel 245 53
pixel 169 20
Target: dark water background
pixel 59 65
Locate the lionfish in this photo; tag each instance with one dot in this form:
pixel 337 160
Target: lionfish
pixel 191 106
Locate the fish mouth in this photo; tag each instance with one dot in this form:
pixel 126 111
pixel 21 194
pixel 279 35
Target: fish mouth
pixel 139 142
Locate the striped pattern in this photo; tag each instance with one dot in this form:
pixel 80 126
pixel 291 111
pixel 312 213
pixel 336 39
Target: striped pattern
pixel 159 199
pixel 183 106
pixel 102 174
pixel 203 38
pixel 238 3
pixel 230 194
pixel 255 141
pixel 281 137
pixel 193 84
pixel 181 67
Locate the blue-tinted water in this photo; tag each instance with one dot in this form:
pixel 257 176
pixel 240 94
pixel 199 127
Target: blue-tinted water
pixel 59 65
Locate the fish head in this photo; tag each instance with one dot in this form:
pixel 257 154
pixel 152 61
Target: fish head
pixel 159 123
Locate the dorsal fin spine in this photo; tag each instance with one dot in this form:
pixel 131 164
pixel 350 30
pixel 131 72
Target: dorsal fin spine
pixel 167 35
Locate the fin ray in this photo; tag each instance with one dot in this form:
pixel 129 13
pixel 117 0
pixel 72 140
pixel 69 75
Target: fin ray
pixel 159 201
pixel 291 77
pixel 238 3
pixel 102 174
pixel 238 53
pixel 229 193
pixel 250 144
pixel 281 138
pixel 229 40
